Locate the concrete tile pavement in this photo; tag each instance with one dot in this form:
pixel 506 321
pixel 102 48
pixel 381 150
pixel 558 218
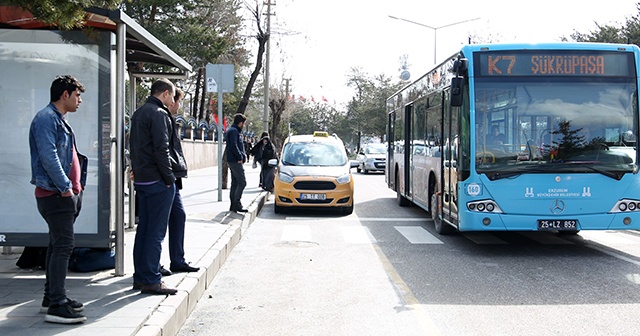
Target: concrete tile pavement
pixel 112 307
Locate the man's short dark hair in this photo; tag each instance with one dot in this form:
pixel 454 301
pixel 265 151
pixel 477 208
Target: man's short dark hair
pixel 238 118
pixel 179 94
pixel 160 86
pixel 64 83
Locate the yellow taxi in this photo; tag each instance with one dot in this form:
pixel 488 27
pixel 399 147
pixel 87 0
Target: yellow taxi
pixel 314 171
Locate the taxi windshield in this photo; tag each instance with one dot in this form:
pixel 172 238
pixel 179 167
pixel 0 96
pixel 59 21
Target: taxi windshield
pixel 313 154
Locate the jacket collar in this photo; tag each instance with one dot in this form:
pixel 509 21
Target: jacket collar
pixel 155 101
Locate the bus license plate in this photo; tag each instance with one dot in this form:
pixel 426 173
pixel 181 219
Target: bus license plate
pixel 313 197
pixel 557 224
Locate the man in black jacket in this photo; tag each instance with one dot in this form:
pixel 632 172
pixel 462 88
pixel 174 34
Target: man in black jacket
pixel 150 135
pixel 236 157
pixel 177 216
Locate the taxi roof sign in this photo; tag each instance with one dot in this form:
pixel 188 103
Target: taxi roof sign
pixel 321 134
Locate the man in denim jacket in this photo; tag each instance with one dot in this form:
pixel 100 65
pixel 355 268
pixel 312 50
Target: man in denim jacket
pixel 59 173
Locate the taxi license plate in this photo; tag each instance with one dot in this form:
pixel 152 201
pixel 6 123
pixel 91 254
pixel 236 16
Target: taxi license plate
pixel 313 197
pixel 557 224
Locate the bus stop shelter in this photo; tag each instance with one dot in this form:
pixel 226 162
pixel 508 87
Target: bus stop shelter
pixel 31 55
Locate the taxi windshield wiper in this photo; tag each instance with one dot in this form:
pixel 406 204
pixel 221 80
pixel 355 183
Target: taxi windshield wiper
pixel 287 163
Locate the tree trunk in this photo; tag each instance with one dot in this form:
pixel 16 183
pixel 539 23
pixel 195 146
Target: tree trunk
pixel 262 41
pixel 196 96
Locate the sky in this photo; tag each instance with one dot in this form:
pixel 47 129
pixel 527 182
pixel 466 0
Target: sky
pixel 315 43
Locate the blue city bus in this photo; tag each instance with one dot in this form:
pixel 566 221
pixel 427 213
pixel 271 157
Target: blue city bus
pixel 521 137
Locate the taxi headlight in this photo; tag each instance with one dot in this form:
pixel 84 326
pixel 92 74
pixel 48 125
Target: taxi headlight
pixel 346 178
pixel 285 177
pixel 369 159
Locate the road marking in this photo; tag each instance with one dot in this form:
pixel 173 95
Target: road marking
pixel 613 254
pixel 357 235
pixel 417 235
pixel 483 238
pixel 545 238
pixel 609 238
pixel 354 218
pixel 296 233
pixel 411 302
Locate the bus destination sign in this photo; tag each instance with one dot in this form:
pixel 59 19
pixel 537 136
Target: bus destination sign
pixel 554 63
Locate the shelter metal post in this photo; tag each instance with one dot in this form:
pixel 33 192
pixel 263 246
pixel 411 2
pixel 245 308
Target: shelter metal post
pixel 117 138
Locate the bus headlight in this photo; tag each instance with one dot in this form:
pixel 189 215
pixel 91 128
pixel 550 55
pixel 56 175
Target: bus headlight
pixel 626 205
pixel 484 206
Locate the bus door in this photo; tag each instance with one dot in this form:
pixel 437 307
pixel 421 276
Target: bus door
pixel 408 157
pixel 419 164
pixel 449 163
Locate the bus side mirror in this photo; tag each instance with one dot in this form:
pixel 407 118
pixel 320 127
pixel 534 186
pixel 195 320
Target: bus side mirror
pixel 456 91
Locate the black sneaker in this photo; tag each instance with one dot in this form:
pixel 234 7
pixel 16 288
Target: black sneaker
pixel 63 314
pixel 77 306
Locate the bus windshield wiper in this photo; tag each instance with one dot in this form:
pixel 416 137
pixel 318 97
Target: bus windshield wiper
pixel 510 171
pixel 617 175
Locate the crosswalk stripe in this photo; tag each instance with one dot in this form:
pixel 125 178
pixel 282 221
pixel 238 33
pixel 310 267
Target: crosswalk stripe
pixel 483 238
pixel 296 233
pixel 609 238
pixel 417 235
pixel 357 235
pixel 545 238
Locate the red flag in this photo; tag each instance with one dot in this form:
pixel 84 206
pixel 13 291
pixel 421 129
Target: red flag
pixel 302 98
pixel 215 118
pixel 324 99
pixel 312 99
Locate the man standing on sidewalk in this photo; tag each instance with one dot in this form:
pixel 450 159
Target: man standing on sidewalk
pixel 59 173
pixel 177 216
pixel 236 157
pixel 150 134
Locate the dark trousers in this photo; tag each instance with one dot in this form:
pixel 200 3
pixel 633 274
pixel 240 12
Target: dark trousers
pixel 155 202
pixel 60 213
pixel 177 219
pixel 238 182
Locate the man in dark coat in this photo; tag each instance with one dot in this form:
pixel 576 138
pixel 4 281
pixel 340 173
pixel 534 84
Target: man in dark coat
pixel 236 157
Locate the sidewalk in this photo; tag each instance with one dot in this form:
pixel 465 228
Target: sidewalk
pixel 112 307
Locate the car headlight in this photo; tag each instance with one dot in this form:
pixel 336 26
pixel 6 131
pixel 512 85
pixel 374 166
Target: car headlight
pixel 369 159
pixel 344 179
pixel 285 177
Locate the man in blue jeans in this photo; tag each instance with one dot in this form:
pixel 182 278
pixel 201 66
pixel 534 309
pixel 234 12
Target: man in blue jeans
pixel 177 216
pixel 236 157
pixel 59 173
pixel 154 182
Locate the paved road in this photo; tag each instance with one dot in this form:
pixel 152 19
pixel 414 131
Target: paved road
pixel 384 271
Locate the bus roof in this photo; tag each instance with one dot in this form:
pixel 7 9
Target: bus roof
pixel 441 70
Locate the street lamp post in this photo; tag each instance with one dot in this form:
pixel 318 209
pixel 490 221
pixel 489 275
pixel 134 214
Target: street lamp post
pixel 435 30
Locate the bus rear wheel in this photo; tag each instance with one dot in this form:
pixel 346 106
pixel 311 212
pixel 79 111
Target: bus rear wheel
pixel 440 226
pixel 401 200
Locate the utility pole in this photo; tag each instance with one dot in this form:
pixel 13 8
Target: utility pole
pixel 265 114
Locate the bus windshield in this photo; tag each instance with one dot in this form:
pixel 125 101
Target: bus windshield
pixel 530 124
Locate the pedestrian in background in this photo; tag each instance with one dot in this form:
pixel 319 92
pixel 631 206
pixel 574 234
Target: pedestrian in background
pixel 257 155
pixel 59 173
pixel 177 216
pixel 267 173
pixel 236 157
pixel 150 134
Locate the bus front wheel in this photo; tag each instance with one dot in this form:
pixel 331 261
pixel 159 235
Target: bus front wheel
pixel 441 227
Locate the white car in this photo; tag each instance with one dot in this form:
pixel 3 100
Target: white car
pixel 372 157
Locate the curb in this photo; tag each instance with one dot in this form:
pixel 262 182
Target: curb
pixel 173 311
